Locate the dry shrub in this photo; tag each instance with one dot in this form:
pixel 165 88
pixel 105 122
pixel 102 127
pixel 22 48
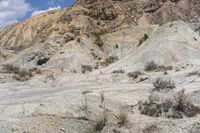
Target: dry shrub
pixel 98 40
pixel 143 39
pixel 21 74
pixel 193 73
pixel 86 68
pixel 183 106
pixel 177 107
pixel 150 66
pixel 163 68
pixel 11 68
pixel 161 84
pixel 134 75
pixel 123 117
pixel 150 107
pixel 100 122
pixel 109 60
pixel 118 71
pixel 151 128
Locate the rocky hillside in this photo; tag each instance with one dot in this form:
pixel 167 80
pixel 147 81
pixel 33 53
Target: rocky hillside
pixel 103 66
pixel 97 16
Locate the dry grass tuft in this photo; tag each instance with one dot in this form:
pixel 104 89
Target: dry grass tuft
pixel 123 117
pixel 102 98
pixel 100 122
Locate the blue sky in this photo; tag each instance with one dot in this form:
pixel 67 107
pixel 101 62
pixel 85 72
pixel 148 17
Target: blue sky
pixel 46 4
pixel 12 11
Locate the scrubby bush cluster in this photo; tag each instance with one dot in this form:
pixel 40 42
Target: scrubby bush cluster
pixel 161 84
pixel 109 60
pixel 152 66
pixel 177 107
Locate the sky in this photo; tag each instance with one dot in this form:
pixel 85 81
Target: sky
pixel 12 11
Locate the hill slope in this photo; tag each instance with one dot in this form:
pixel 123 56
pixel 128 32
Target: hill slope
pixel 86 17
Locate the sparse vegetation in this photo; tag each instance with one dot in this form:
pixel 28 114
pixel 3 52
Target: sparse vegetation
pixel 123 117
pixel 183 106
pixel 162 68
pixel 161 84
pixel 98 40
pixel 118 71
pixel 102 98
pixel 150 66
pixel 109 60
pixel 151 128
pixel 21 74
pixel 177 107
pixel 86 68
pixel 143 39
pixel 193 73
pixel 84 106
pixel 100 122
pixel 134 75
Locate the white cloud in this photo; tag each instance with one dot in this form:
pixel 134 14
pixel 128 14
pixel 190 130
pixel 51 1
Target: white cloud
pixel 43 11
pixel 11 10
pixel 52 2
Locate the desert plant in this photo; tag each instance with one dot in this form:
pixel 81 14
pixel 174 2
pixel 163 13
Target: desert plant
pixel 118 71
pixel 109 60
pixel 161 84
pixel 85 105
pixel 98 40
pixel 21 74
pixel 144 38
pixel 100 122
pixel 163 68
pixel 123 117
pixel 134 75
pixel 150 66
pixel 151 128
pixel 11 68
pixel 176 107
pixel 184 106
pixel 102 98
pixel 193 73
pixel 86 68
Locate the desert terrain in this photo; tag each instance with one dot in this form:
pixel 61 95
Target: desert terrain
pixel 116 66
